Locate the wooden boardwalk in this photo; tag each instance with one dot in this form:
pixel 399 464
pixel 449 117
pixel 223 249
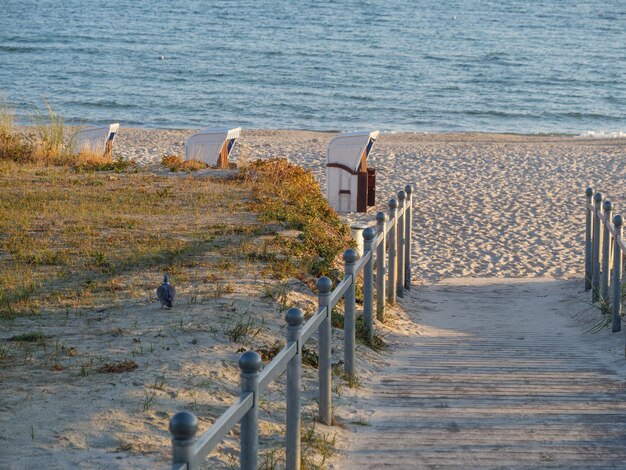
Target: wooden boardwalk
pixel 501 377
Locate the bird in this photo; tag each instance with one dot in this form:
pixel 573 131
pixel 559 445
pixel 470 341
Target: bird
pixel 166 293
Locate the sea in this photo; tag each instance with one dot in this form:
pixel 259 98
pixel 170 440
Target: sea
pixel 533 66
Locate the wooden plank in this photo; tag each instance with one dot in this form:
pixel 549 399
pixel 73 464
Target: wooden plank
pixel 506 382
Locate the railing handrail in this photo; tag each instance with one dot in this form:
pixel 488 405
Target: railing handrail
pixel 603 270
pixel 388 228
pixel 277 366
pixel 222 426
pixel 609 225
pixel 314 322
pixel 378 240
pixel 340 290
pixel 360 264
pixel 193 452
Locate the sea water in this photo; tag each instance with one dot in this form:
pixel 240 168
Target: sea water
pixel 529 66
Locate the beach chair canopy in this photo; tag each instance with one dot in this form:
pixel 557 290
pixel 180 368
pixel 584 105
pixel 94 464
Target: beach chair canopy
pixel 212 146
pixel 350 150
pixel 97 140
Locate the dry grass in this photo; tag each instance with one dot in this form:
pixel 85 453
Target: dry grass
pixel 69 238
pixel 7 117
pixel 87 160
pixel 52 143
pixel 11 145
pixel 289 195
pixel 176 163
pixel 118 367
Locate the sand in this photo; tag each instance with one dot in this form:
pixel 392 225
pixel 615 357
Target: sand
pixel 487 206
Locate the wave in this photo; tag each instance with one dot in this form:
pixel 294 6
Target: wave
pixel 604 134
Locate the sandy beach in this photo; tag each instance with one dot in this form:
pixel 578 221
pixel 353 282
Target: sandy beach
pixel 499 115
pixel 489 205
pixel 486 206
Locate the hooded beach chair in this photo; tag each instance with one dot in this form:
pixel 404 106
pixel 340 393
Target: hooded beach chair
pixel 350 185
pixel 212 146
pixel 96 140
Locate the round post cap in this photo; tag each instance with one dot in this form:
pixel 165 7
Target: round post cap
pixel 250 362
pixel 184 425
pixel 393 203
pixel 589 191
pixel 607 206
pixel 381 217
pixel 401 195
pixel 294 316
pixel 618 220
pixel 349 257
pixel 369 233
pixel 598 197
pixel 408 189
pixel 324 285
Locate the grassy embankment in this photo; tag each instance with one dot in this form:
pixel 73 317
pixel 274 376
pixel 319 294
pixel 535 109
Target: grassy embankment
pixel 70 231
pixel 76 242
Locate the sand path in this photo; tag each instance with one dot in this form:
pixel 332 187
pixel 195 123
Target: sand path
pixel 500 376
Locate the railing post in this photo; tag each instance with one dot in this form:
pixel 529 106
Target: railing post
pixel 588 239
pixel 408 223
pixel 381 226
pixel 617 274
pixel 294 318
pixel 368 283
pixel 183 427
pixel 401 246
pixel 349 313
pixel 393 259
pixel 597 233
pixel 324 286
pixel 250 364
pixel 606 251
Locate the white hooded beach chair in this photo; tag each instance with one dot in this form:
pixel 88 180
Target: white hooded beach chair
pixel 212 146
pixel 96 140
pixel 350 185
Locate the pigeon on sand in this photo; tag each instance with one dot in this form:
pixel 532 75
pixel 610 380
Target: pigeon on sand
pixel 166 293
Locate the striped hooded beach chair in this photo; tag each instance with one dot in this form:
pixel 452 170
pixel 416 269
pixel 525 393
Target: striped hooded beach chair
pixel 350 185
pixel 212 146
pixel 96 140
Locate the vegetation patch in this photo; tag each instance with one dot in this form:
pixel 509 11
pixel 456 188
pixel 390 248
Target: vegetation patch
pixel 605 307
pixel 51 143
pixel 118 367
pixel 310 357
pixel 377 344
pixel 289 195
pixel 69 237
pixel 269 353
pixel 176 163
pixel 33 337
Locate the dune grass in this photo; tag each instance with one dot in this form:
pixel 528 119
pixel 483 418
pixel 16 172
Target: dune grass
pixel 176 163
pixel 289 195
pixel 70 238
pixel 52 143
pixel 7 117
pixel 68 234
pixel 12 146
